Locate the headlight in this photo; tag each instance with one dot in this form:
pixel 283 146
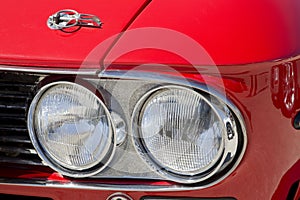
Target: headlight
pixel 71 129
pixel 183 134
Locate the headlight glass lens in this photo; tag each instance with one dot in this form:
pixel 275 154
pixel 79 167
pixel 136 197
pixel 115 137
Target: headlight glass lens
pixel 72 127
pixel 180 131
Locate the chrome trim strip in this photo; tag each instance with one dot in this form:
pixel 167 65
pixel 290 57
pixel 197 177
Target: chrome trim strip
pixel 48 70
pixel 95 71
pixel 98 187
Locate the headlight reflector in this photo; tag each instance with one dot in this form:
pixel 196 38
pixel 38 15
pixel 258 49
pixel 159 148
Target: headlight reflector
pixel 181 131
pixel 71 129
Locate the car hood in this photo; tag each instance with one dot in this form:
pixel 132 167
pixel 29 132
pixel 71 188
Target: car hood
pixel 211 32
pixel 27 40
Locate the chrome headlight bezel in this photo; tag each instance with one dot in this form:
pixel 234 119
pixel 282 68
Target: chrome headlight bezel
pixel 124 94
pixel 226 153
pixel 51 161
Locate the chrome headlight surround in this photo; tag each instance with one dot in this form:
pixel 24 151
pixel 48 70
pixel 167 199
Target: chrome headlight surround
pixel 225 156
pixel 47 156
pixel 132 92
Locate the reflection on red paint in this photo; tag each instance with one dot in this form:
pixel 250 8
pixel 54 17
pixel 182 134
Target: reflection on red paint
pixel 285 88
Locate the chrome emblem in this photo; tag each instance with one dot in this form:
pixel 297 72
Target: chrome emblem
pixel 119 196
pixel 65 19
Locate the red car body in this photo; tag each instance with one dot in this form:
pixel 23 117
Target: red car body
pixel 255 46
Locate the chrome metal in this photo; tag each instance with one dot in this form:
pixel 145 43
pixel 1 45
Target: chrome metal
pixel 15 139
pixel 15 145
pixel 56 164
pixel 120 126
pixel 33 162
pixel 91 186
pixel 18 150
pixel 119 196
pixel 64 19
pixel 17 129
pixel 132 76
pixel 38 70
pixel 117 74
pixel 169 79
pixel 225 154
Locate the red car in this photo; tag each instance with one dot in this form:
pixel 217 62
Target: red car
pixel 141 99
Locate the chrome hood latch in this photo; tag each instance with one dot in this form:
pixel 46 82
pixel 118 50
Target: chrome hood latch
pixel 69 18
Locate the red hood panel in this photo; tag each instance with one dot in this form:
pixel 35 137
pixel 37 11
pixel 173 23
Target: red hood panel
pixel 26 39
pixel 230 32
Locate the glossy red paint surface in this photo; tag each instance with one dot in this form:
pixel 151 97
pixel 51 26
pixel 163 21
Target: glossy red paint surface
pixel 26 39
pixel 231 32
